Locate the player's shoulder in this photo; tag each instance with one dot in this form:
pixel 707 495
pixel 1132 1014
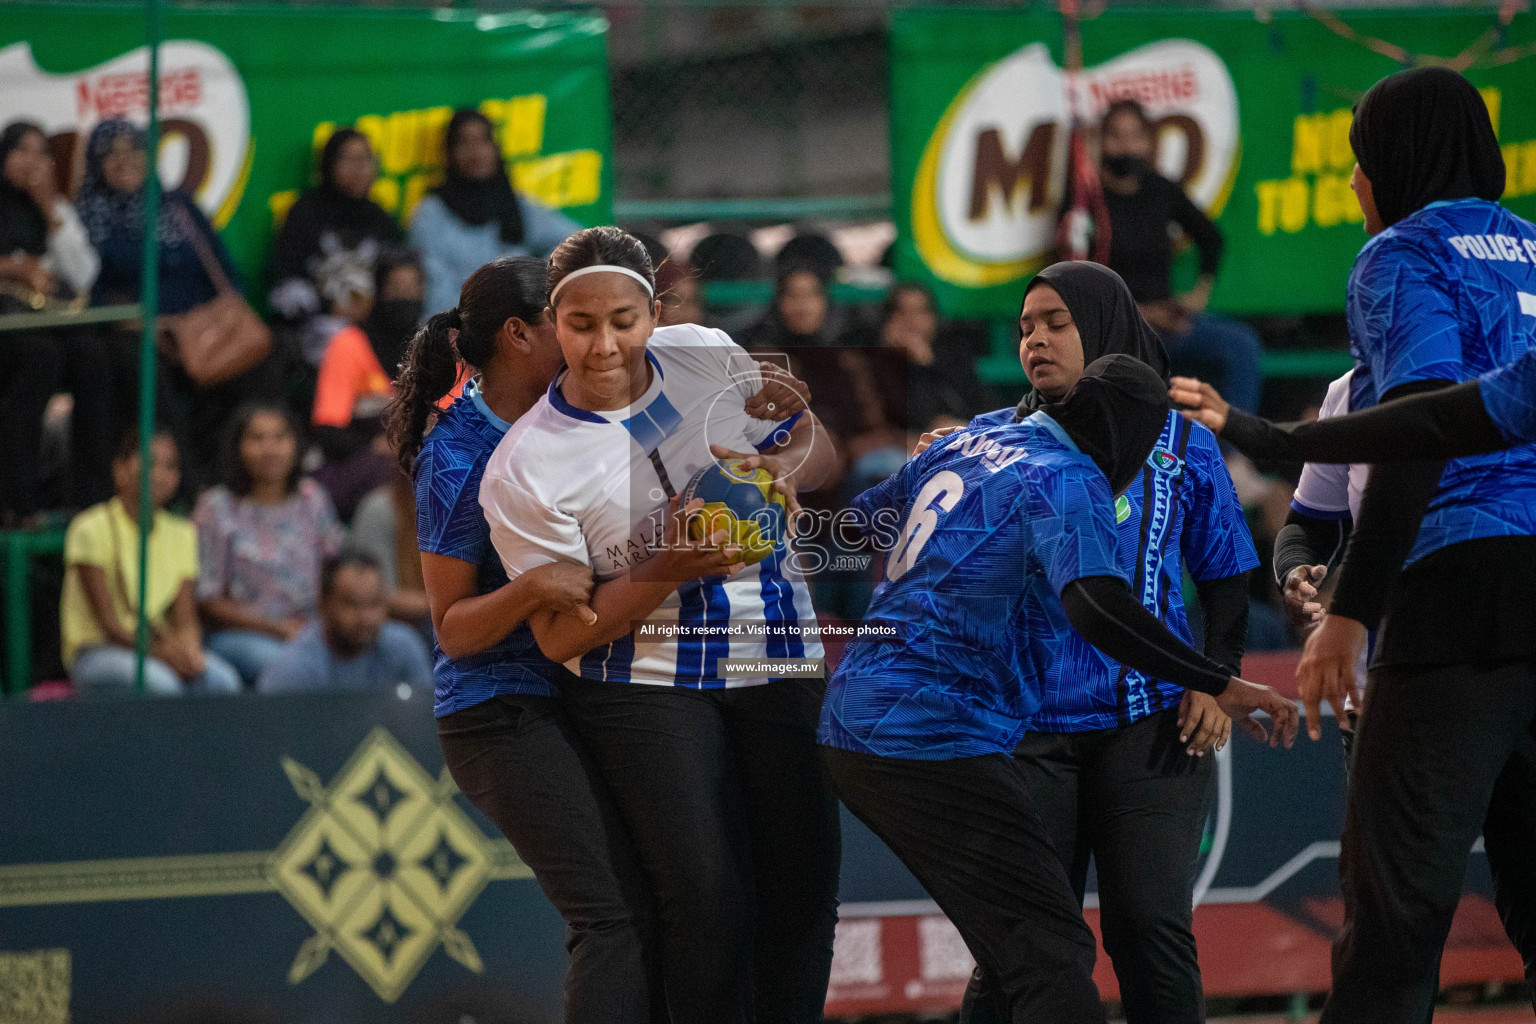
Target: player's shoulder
pixel 685 336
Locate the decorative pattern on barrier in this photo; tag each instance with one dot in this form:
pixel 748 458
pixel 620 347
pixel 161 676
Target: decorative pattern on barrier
pixel 382 866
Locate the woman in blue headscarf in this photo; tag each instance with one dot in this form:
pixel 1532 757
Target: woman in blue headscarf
pixel 111 205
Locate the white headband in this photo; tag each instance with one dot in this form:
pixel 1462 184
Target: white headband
pixel 601 268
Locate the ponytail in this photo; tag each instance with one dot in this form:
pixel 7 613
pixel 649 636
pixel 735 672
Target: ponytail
pixel 427 373
pixel 505 289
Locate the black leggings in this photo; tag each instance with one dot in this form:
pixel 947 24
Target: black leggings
pixel 1136 802
pixel 738 833
pixel 517 760
pixel 968 830
pixel 1441 754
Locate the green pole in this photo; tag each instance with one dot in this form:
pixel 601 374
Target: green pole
pixel 150 300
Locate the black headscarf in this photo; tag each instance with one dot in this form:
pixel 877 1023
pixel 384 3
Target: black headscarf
pixel 23 224
pixel 1114 414
pixel 478 201
pixel 391 323
pixel 1424 135
pixel 1106 317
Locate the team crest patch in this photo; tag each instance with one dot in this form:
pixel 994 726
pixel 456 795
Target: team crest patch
pixel 1122 509
pixel 1164 460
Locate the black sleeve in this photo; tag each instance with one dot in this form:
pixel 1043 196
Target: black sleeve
pixel 1103 610
pixel 1445 424
pixel 1396 497
pixel 1200 229
pixel 1308 540
pixel 1224 606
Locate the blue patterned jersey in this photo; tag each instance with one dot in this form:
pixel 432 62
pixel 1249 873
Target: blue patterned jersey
pixel 1509 395
pixel 1195 521
pixel 988 527
pixel 1450 293
pixel 449 522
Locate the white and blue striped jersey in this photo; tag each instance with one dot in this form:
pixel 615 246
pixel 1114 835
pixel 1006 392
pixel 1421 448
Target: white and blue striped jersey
pixel 568 484
pixel 1331 490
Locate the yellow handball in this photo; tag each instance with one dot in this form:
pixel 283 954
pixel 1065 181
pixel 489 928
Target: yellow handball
pixel 742 502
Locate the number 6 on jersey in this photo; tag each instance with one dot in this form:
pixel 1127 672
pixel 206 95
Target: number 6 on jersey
pixel 947 487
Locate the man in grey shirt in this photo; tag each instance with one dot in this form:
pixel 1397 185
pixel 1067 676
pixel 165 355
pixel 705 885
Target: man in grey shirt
pixel 353 645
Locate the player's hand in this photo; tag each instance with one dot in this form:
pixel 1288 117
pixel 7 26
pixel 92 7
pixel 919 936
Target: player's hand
pixel 1326 671
pixel 783 479
pixel 924 442
pixel 684 558
pixel 1241 698
pixel 1199 402
pixel 782 395
pixel 1202 723
pixel 1300 594
pixel 565 587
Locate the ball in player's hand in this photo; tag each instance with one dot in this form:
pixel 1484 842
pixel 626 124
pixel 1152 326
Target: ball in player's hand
pixel 741 501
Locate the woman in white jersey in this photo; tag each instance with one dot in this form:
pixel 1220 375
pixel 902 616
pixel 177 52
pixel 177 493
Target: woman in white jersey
pixel 715 776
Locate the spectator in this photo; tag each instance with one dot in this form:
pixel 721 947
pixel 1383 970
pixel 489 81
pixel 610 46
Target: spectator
pixel 45 255
pixel 932 380
pixel 385 527
pixel 1142 204
pixel 474 216
pixel 354 385
pixel 111 203
pixel 31 363
pixel 677 286
pixel 261 536
pixel 101 587
pixel 323 262
pixel 801 313
pixel 353 645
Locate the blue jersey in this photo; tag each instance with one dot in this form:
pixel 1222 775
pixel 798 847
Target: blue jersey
pixel 1450 293
pixel 1509 395
pixel 1195 522
pixel 989 526
pixel 449 522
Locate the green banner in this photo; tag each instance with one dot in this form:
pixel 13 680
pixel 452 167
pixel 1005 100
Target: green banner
pixel 249 95
pixel 1253 117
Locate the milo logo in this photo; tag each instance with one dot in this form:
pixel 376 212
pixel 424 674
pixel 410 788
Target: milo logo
pixel 1122 509
pixel 987 190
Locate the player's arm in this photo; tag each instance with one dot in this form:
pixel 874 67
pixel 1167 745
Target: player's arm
pixel 618 604
pixel 1444 424
pixel 467 622
pixel 1073 535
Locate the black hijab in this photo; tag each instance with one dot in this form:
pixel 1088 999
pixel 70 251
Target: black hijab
pixel 478 201
pixel 23 224
pixel 1114 414
pixel 1424 135
pixel 1106 317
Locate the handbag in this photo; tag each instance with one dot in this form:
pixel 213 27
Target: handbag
pixel 221 338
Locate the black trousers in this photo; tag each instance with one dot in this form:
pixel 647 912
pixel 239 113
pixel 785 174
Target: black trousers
pixel 1134 801
pixel 1441 754
pixel 517 760
pixel 31 367
pixel 968 830
pixel 738 834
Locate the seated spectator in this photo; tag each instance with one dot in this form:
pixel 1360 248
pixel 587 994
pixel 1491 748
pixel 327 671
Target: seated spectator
pixel 111 203
pixel 801 314
pixel 354 385
pixel 475 215
pixel 353 645
pixel 262 535
pixel 98 613
pixel 385 527
pixel 1142 205
pixel 682 298
pixel 323 260
pixel 45 256
pixel 930 381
